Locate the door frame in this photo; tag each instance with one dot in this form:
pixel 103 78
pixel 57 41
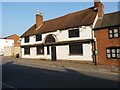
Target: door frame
pixel 53 53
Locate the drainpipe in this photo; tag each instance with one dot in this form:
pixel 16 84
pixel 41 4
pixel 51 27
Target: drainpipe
pixel 95 51
pixel 93 47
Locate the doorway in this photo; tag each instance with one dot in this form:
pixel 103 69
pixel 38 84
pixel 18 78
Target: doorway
pixel 53 53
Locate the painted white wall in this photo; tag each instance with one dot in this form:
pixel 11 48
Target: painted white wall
pixel 32 39
pixel 63 53
pixel 33 53
pixel 5 43
pixel 85 33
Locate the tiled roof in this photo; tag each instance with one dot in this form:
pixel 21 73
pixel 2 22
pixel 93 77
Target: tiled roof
pixel 108 20
pixel 80 18
pixel 11 36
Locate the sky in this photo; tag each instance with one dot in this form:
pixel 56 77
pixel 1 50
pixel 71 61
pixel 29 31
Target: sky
pixel 17 17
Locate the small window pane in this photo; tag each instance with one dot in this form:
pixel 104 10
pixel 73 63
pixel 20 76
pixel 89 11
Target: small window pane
pixel 118 50
pixel 108 50
pixel 110 31
pixel 111 35
pixel 115 30
pixel 118 55
pixel 113 55
pixel 116 35
pixel 108 56
pixel 113 50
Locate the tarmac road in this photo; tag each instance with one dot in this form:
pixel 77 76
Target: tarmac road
pixel 20 76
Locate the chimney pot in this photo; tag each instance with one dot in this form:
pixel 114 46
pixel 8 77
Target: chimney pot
pixel 38 12
pixel 96 3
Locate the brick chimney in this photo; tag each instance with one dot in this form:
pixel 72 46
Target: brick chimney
pixel 39 19
pixel 100 7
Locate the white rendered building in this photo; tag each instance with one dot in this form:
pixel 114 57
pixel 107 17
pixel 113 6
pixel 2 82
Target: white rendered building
pixel 68 37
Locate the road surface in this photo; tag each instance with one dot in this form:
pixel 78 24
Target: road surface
pixel 21 76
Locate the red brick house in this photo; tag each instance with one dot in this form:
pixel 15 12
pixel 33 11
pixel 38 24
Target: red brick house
pixel 107 34
pixel 14 37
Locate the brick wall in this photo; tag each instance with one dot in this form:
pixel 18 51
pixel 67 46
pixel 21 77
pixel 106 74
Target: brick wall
pixel 103 41
pixel 39 20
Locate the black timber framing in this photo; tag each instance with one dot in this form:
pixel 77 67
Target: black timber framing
pixel 62 43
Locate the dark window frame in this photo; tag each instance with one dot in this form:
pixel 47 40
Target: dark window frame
pixel 113 34
pixel 38 37
pixel 112 48
pixel 74 33
pixel 48 50
pixel 38 50
pixel 26 50
pixel 27 39
pixel 73 49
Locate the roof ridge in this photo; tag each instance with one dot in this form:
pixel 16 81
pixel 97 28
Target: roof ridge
pixel 112 12
pixel 11 35
pixel 69 14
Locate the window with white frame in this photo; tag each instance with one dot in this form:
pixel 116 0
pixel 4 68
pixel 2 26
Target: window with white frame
pixel 114 33
pixel 113 53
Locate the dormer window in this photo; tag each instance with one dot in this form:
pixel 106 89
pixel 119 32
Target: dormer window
pixel 73 33
pixel 26 39
pixel 38 37
pixel 113 32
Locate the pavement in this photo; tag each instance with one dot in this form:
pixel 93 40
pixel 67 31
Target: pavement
pixel 62 64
